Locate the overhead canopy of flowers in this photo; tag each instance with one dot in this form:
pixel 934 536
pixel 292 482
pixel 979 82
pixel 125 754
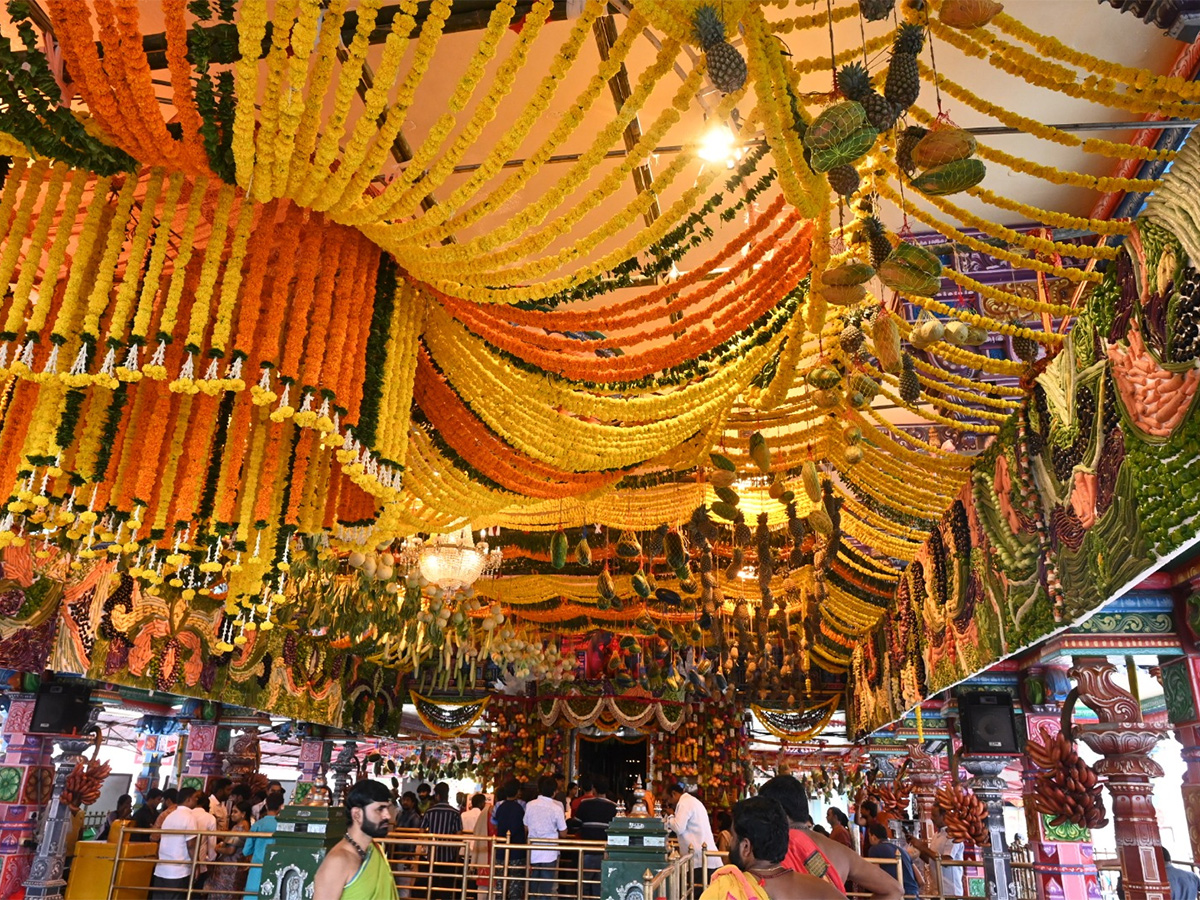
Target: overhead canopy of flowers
pixel 256 291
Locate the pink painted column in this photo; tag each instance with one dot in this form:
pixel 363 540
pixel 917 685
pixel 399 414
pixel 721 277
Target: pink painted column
pixel 1063 858
pixel 1125 740
pixel 26 777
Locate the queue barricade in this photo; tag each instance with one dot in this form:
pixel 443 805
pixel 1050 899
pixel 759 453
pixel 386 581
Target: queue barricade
pixel 425 867
pixel 132 869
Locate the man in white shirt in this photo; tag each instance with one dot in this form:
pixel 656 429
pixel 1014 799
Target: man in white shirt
pixel 544 820
pixel 205 821
pixel 692 828
pixel 174 868
pixel 944 880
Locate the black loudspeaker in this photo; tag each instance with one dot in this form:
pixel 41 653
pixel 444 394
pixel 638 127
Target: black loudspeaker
pixel 988 722
pixel 61 708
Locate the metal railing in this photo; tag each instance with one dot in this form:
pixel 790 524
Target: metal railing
pixel 132 871
pixel 425 867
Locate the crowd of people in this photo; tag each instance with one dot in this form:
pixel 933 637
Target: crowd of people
pixel 214 867
pixel 773 847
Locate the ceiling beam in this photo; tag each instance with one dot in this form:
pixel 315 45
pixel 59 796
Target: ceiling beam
pixel 468 15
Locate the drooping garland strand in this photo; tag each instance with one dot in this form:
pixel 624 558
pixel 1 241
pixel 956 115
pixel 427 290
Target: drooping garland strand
pixel 33 114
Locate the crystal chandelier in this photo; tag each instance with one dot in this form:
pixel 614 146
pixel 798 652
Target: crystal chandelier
pixel 453 562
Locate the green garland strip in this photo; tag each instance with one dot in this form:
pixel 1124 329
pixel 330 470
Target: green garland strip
pixel 674 244
pixel 33 114
pixel 377 350
pixel 215 100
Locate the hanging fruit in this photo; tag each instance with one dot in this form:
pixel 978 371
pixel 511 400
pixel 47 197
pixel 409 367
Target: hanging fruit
pixel 885 340
pixel 726 67
pixel 1067 787
pixel 559 549
pixel 583 550
pixel 760 452
pixel 968 14
pixel 910 385
pixel 966 816
pixel 903 83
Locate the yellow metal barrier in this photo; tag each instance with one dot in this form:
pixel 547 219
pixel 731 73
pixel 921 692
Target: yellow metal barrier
pixel 133 868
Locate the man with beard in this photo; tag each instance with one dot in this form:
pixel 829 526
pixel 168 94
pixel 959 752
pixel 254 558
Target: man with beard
pixel 356 869
pixel 760 842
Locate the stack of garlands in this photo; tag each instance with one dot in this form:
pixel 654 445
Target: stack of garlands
pixel 1067 787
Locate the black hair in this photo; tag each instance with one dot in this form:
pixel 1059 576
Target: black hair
pixel 585 783
pixel 362 795
pixel 820 829
pixel 722 818
pixel 441 790
pixel 870 807
pixel 241 790
pixel 763 822
pixel 219 784
pixel 183 795
pixel 275 801
pixel 877 831
pixel 410 795
pixel 676 788
pixel 1166 855
pixel 478 801
pixel 547 785
pixel 601 784
pixel 243 806
pixel 424 788
pixel 171 795
pixel 510 789
pixel 152 794
pixel 842 818
pixel 278 784
pixel 529 792
pixel 788 793
pixel 125 798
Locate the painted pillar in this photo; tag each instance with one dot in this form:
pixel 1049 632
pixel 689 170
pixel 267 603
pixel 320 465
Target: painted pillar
pixel 1063 858
pixel 314 760
pixel 1125 740
pixel 988 786
pixel 45 880
pixel 203 759
pixel 1181 687
pixel 925 775
pixel 26 777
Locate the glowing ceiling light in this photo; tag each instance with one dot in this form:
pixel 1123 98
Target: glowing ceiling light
pixel 719 145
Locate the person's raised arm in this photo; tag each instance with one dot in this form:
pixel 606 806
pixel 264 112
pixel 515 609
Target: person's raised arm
pixel 870 878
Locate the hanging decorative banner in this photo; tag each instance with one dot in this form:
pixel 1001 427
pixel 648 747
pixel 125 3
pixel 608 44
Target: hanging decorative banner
pixel 798 725
pixel 446 719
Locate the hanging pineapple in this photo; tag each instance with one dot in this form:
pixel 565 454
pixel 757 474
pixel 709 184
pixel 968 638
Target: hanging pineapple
pixel 910 387
pixel 1024 347
pixel 910 138
pixel 877 240
pixel 726 68
pixel 903 84
pixel 854 81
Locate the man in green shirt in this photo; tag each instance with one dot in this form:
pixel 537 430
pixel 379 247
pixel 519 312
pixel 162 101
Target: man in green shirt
pixel 356 869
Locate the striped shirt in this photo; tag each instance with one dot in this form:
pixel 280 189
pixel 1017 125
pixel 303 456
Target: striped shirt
pixel 443 819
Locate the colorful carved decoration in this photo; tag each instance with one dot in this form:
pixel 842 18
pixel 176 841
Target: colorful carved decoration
pixel 1125 740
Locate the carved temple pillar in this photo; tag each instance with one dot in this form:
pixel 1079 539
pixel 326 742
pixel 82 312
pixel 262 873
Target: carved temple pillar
pixel 988 786
pixel 345 763
pixel 1125 740
pixel 924 774
pixel 1064 860
pixel 1180 678
pixel 45 881
pixel 26 777
pixel 153 734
